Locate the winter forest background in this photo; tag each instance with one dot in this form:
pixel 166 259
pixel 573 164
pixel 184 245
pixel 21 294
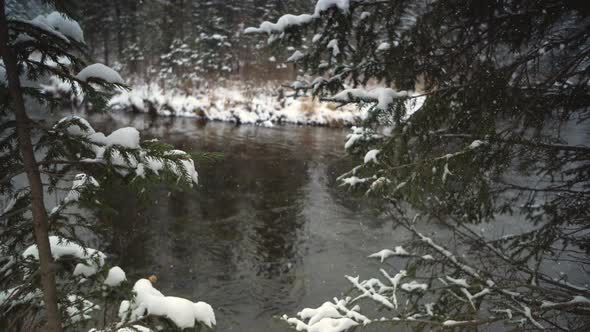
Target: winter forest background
pixel 308 165
pixel 160 40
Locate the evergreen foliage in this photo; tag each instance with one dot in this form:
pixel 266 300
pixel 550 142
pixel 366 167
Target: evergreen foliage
pixel 74 163
pixel 503 81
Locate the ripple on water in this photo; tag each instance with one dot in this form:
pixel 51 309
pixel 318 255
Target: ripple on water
pixel 267 232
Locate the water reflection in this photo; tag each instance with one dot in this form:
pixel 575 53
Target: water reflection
pixel 267 231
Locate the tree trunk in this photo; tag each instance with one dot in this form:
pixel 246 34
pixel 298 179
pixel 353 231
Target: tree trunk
pixel 105 36
pixel 181 13
pixel 119 28
pixel 134 21
pixel 40 226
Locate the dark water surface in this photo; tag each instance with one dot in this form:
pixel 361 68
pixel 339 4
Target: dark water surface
pixel 268 231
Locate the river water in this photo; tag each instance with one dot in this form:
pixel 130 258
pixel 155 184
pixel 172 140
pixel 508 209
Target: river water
pixel 268 231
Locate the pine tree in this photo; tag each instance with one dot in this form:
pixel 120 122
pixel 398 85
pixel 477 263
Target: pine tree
pixel 50 280
pixel 463 94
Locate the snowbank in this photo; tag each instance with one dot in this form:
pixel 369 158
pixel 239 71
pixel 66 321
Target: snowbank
pixel 235 105
pixel 246 105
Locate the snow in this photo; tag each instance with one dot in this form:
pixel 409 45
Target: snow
pixel 446 173
pixel 79 308
pixel 127 137
pixel 395 282
pixel 41 22
pixel 23 38
pixel 289 20
pixel 479 294
pixel 414 285
pixel 80 182
pixel 366 287
pixel 371 156
pixel 297 85
pixel 383 46
pixel 189 167
pixel 333 325
pixel 65 25
pixel 132 328
pixel 100 71
pixel 458 282
pixel 75 129
pixel 325 325
pixel 441 250
pixel 283 23
pixel 231 104
pixel 508 312
pixel 296 56
pixel 378 184
pixel 115 277
pixel 333 45
pixel 576 300
pixel 359 134
pixel 2 73
pixel 60 247
pixel 182 312
pixel 62 89
pixel 16 297
pixel 59 61
pixel 329 317
pixel 450 322
pixel 59 25
pixel 323 5
pixel 315 315
pixel 383 96
pixel 528 314
pixel 13 201
pixel 353 181
pixel 385 253
pixel 429 308
pixel 476 144
pixel 124 310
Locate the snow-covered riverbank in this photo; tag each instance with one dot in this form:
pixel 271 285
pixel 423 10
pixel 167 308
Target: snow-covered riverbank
pixel 261 106
pixel 238 103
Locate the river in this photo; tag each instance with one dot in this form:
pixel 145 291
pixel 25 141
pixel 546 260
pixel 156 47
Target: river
pixel 267 232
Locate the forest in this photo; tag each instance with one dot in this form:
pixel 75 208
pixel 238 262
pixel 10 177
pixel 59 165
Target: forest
pixel 294 165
